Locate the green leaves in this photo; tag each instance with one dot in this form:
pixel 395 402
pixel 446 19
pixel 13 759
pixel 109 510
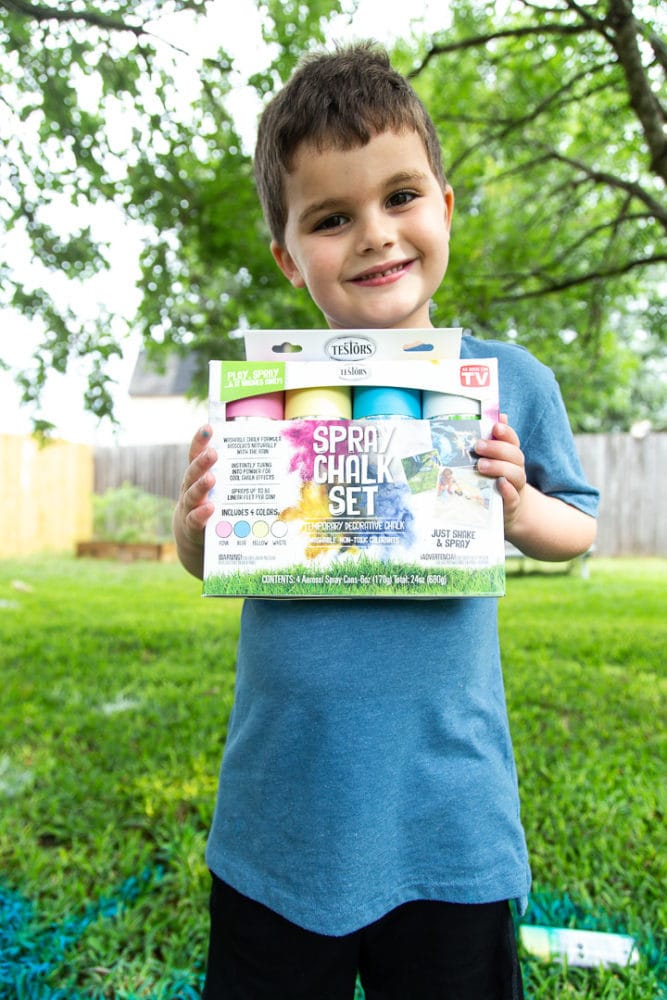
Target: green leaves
pixel 560 223
pixel 292 27
pixel 66 71
pixel 551 117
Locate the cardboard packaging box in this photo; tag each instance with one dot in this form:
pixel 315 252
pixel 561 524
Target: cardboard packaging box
pixel 322 505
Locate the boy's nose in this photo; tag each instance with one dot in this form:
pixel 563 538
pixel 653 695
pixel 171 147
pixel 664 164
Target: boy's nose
pixel 375 234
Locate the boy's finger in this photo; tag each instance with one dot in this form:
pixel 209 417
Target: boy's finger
pixel 199 468
pixel 503 432
pixel 507 451
pixel 200 440
pixel 199 515
pixel 496 469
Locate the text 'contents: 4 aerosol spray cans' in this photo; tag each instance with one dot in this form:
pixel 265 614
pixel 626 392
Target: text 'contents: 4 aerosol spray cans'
pixel 339 478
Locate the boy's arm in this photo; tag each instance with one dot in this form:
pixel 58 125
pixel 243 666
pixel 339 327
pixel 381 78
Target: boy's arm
pixel 542 527
pixel 194 508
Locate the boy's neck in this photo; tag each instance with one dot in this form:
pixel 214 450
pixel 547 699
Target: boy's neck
pixel 351 329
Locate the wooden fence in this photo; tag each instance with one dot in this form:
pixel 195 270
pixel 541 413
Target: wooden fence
pixel 157 469
pixel 631 475
pixel 45 495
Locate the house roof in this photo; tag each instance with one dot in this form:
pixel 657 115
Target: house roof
pixel 172 376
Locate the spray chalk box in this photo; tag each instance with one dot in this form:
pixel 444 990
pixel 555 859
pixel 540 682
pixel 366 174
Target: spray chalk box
pixel 346 468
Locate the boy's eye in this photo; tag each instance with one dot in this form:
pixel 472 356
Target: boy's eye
pixel 400 198
pixel 332 222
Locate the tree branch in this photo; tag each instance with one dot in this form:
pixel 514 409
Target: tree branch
pixel 501 128
pixel 620 29
pixel 611 180
pixel 590 23
pixel 644 102
pixel 613 226
pixel 554 287
pixel 42 12
pixel 480 41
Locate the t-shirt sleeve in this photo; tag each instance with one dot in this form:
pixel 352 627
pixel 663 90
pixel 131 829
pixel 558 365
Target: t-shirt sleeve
pixel 531 398
pixel 552 463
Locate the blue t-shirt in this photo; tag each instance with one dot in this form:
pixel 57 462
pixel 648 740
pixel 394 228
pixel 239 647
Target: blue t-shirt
pixel 369 761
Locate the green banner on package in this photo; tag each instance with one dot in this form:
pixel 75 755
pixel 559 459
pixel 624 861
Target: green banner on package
pixel 240 379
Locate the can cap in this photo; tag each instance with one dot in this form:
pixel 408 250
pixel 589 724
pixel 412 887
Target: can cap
pixel 445 404
pixel 333 401
pixel 269 405
pixel 386 401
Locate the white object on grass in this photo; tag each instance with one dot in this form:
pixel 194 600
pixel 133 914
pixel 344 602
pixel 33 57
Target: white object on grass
pixel 588 949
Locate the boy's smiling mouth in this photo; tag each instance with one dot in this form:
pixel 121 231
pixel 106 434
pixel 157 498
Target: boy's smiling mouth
pixel 382 274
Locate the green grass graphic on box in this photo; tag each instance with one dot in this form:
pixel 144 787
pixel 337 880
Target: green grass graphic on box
pixel 363 578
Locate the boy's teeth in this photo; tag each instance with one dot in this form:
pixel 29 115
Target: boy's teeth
pixel 383 274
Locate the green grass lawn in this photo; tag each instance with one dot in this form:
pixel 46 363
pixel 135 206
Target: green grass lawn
pixel 117 684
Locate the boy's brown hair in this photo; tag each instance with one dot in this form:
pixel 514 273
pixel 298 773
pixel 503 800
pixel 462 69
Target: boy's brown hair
pixel 339 99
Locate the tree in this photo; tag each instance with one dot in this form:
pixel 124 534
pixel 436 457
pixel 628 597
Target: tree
pixel 205 264
pixel 65 68
pixel 552 122
pixel 530 125
pixel 553 126
pixel 209 271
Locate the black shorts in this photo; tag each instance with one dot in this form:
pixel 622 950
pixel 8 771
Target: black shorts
pixel 423 950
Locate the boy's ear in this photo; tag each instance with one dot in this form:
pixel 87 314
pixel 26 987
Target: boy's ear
pixel 449 204
pixel 286 264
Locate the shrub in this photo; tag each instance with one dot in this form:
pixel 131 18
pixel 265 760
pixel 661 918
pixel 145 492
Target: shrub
pixel 130 514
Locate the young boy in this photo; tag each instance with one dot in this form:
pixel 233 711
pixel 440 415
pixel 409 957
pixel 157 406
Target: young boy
pixel 367 819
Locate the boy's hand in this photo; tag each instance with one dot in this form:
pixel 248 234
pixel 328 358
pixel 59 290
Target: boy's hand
pixel 542 527
pixel 194 508
pixel 501 458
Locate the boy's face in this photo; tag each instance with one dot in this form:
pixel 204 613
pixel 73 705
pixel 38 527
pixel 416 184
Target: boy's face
pixel 367 232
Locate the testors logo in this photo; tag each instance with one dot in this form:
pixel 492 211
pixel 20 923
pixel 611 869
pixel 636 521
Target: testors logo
pixel 353 373
pixel 349 348
pixel 475 376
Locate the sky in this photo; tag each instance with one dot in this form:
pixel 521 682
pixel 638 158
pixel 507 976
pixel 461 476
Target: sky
pixel 383 20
